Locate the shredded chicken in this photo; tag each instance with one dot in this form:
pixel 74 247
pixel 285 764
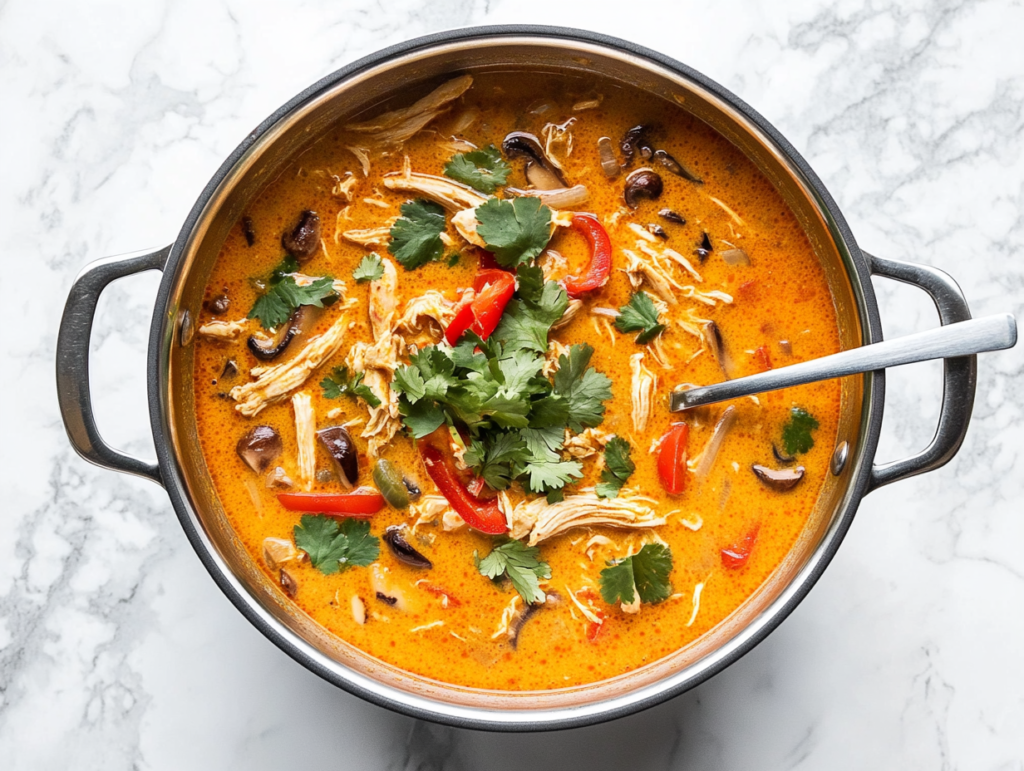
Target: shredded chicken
pixel 362 155
pixel 553 264
pixel 305 436
pixel 383 301
pixel 508 615
pixel 542 520
pixel 431 305
pixel 396 126
pixel 465 223
pixel 555 350
pixel 227 331
pixel 644 382
pixel 587 444
pixel 571 311
pixel 671 254
pixel 368 236
pixel 451 521
pixel 558 140
pixel 631 607
pixel 451 195
pixel 274 383
pixel 638 270
pixel 343 188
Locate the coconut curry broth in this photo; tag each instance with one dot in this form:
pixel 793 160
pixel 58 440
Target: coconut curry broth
pixel 728 529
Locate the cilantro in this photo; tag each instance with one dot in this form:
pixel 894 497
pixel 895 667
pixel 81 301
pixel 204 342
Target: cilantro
pixel 493 459
pixel 526 322
pixel 283 295
pixel 339 383
pixel 515 231
pixel 483 169
pixel 416 235
pixel 334 547
pixel 618 467
pixel 647 570
pixel 370 268
pixel 585 389
pixel 453 259
pixel 640 315
pixel 531 285
pixel 522 565
pixel 796 435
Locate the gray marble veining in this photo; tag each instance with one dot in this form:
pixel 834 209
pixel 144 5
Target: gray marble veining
pixel 118 652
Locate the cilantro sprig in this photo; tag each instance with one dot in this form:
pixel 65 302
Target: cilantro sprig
pixel 640 315
pixel 515 231
pixel 370 268
pixel 618 468
pixel 340 383
pixel 521 564
pixel 796 434
pixel 483 169
pixel 283 295
pixel 334 547
pixel 416 235
pixel 648 571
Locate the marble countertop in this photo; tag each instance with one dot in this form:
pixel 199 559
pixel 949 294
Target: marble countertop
pixel 118 652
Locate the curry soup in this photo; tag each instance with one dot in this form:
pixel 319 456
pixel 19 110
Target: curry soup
pixel 604 535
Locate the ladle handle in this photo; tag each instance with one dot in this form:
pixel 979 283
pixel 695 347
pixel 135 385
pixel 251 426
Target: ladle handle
pixel 964 338
pixel 73 339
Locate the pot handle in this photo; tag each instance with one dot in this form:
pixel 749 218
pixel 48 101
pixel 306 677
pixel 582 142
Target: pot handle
pixel 959 374
pixel 73 360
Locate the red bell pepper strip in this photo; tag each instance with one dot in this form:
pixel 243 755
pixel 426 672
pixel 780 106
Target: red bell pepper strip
pixel 736 556
pixel 763 359
pixel 361 502
pixel 484 516
pixel 600 266
pixel 672 458
pixel 482 314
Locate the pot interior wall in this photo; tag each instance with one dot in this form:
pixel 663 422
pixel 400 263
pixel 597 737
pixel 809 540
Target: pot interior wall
pixel 370 91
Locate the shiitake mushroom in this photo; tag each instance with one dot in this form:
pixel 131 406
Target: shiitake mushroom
pixel 642 183
pixel 540 171
pixel 339 445
pixel 779 480
pixel 259 447
pixel 303 241
pixel 394 537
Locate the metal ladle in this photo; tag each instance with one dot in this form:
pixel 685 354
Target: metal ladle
pixel 964 338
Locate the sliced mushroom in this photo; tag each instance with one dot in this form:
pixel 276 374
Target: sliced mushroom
pixel 279 480
pixel 387 599
pixel 676 167
pixel 635 140
pixel 779 480
pixel 219 305
pixel 394 537
pixel 540 171
pixel 301 320
pixel 672 216
pixel 230 370
pixel 705 248
pixel 657 230
pixel 519 620
pixel 304 239
pixel 288 583
pixel 248 231
pixel 413 488
pixel 716 344
pixel 609 163
pixel 338 443
pixel 259 447
pixel 781 457
pixel 642 183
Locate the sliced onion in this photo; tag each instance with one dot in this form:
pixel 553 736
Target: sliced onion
pixel 735 257
pixel 609 163
pixel 710 452
pixel 560 198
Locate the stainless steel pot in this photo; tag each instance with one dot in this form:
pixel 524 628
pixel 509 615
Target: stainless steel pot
pixel 364 85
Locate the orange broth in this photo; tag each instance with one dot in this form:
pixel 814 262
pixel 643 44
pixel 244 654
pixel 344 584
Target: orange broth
pixel 780 302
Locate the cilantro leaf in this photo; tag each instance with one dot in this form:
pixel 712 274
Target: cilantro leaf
pixel 339 383
pixel 416 235
pixel 453 259
pixel 648 570
pixel 796 435
pixel 531 285
pixel 493 458
pixel 618 467
pixel 527 324
pixel 552 473
pixel 522 565
pixel 515 231
pixel 640 315
pixel 422 418
pixel 283 295
pixel 370 268
pixel 334 547
pixel 586 389
pixel 483 169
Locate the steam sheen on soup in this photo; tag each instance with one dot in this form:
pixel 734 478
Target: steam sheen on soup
pixel 433 368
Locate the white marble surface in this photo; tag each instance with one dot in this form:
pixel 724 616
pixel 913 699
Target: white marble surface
pixel 118 652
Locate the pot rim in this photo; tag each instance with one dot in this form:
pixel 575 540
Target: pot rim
pixel 404 702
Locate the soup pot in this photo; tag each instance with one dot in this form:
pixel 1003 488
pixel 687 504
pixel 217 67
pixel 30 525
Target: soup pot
pixel 373 84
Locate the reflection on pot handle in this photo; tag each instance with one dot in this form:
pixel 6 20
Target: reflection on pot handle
pixel 959 374
pixel 73 360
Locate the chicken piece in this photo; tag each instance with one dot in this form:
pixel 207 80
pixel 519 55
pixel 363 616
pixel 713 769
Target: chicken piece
pixel 301 279
pixel 343 188
pixel 226 331
pixel 542 520
pixel 644 382
pixel 571 311
pixel 396 126
pixel 305 437
pixel 431 305
pixel 553 264
pixel 274 383
pixel 451 521
pixel 377 363
pixel 453 196
pixel 557 139
pixel 383 301
pixel 587 444
pixel 465 223
pixel 369 236
pixel 362 155
pixel 639 271
pixel 555 349
pixel 671 254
